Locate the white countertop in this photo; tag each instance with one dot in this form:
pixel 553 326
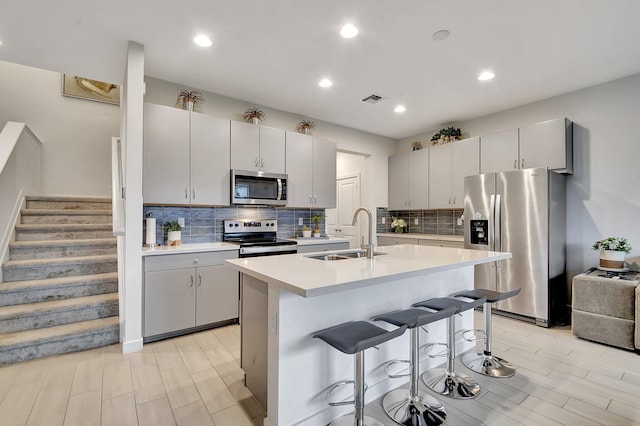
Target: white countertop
pixel 299 274
pixel 312 240
pixel 188 248
pixel 457 238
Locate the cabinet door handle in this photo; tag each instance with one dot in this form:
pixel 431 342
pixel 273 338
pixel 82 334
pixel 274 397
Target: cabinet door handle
pixel 454 200
pixel 199 279
pixel 261 162
pixel 191 281
pixel 515 164
pixel 255 162
pixel 315 199
pixel 409 203
pixel 310 199
pixel 193 192
pixel 522 163
pixel 449 200
pixel 186 193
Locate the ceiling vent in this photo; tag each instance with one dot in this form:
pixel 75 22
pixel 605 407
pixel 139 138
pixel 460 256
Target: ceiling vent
pixel 374 98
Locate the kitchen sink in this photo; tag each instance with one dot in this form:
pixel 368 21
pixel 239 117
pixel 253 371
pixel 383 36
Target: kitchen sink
pixel 343 255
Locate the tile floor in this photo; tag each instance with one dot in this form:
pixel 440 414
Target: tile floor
pixel 196 380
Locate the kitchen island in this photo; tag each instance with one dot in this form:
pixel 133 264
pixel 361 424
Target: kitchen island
pixel 285 299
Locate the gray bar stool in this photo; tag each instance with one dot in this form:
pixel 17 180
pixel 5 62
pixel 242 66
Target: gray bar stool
pixel 446 381
pixel 486 363
pixel 410 406
pixel 354 338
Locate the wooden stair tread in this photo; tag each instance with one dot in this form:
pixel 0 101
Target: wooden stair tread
pixel 27 263
pixel 39 307
pixel 58 282
pixel 56 243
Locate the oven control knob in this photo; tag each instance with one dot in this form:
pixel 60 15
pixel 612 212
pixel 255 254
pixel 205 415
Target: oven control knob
pixel 235 224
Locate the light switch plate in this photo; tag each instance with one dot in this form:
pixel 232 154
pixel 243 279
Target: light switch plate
pixel 459 222
pixel 181 221
pixel 415 221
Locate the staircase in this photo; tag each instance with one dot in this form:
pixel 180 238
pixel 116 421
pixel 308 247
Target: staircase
pixel 60 286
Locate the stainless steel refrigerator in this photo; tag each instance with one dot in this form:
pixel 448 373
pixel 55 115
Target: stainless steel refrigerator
pixel 522 212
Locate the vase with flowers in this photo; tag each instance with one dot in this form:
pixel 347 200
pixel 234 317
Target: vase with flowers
pixel 612 252
pixel 398 225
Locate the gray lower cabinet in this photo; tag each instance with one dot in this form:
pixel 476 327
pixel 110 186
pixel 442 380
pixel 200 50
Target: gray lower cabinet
pixel 183 291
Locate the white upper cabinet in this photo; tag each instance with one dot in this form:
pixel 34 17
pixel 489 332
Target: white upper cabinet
pixel 449 164
pixel 311 171
pixel 166 171
pixel 186 157
pixel 324 173
pixel 210 150
pixel 546 144
pixel 409 180
pixel 499 152
pixel 257 148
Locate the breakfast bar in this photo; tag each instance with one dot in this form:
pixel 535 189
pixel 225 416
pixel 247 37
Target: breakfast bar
pixel 285 299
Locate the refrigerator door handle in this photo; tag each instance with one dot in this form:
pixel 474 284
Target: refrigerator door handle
pixel 492 218
pixel 498 225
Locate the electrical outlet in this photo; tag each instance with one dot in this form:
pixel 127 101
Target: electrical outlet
pixel 300 222
pixel 181 221
pixel 415 221
pixel 459 222
pixel 384 220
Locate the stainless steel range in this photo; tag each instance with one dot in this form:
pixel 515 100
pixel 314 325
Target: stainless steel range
pixel 257 238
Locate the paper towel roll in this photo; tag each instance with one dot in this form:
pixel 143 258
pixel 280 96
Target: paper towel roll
pixel 151 231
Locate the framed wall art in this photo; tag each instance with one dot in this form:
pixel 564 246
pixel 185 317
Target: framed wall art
pixel 93 90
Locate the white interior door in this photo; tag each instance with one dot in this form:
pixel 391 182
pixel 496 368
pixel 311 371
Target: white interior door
pixel 348 200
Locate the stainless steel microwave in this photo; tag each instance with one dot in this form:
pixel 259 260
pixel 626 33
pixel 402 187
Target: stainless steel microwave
pixel 251 187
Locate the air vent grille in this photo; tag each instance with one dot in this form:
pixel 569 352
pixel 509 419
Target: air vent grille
pixel 374 98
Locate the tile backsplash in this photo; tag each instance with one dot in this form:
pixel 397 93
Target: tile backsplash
pixel 205 224
pixel 431 221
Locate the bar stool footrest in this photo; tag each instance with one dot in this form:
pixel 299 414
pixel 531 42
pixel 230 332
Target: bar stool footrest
pixel 471 335
pixel 430 346
pixel 340 385
pixel 394 362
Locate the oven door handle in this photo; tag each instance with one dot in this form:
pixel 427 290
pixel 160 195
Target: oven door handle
pixel 268 249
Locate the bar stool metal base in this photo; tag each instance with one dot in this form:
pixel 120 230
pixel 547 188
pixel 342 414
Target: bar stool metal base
pixel 489 365
pixel 349 420
pixel 450 383
pixel 423 410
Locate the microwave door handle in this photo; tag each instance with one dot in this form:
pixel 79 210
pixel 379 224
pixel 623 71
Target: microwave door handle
pixel 279 189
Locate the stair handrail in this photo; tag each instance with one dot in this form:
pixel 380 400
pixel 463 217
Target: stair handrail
pixel 117 188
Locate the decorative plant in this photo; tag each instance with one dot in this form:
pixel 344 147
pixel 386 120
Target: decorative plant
pixel 305 126
pixel 613 244
pixel 398 225
pixel 316 220
pixel 185 96
pixel 172 226
pixel 305 228
pixel 416 146
pixel 252 113
pixel 447 134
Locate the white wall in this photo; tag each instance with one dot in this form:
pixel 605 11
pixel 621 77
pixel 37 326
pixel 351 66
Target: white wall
pixel 377 148
pixel 76 134
pixel 603 197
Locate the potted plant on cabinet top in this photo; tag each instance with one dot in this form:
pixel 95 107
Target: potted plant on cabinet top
pixel 305 126
pixel 174 234
pixel 189 99
pixel 254 115
pixel 612 252
pixel 306 231
pixel 316 220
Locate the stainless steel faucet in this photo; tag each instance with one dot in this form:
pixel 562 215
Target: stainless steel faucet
pixel 368 247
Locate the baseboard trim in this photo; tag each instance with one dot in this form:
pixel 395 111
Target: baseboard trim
pixel 132 346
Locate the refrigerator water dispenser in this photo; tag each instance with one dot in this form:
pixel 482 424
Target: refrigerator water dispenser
pixel 479 231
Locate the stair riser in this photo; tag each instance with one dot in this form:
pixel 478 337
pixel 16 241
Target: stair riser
pixel 10 274
pixel 73 343
pixel 22 235
pixel 57 293
pixel 21 253
pixel 67 205
pixel 53 318
pixel 51 219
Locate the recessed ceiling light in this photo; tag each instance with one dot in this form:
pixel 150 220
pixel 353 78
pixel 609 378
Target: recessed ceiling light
pixel 202 40
pixel 400 108
pixel 440 35
pixel 349 31
pixel 325 82
pixel 487 75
